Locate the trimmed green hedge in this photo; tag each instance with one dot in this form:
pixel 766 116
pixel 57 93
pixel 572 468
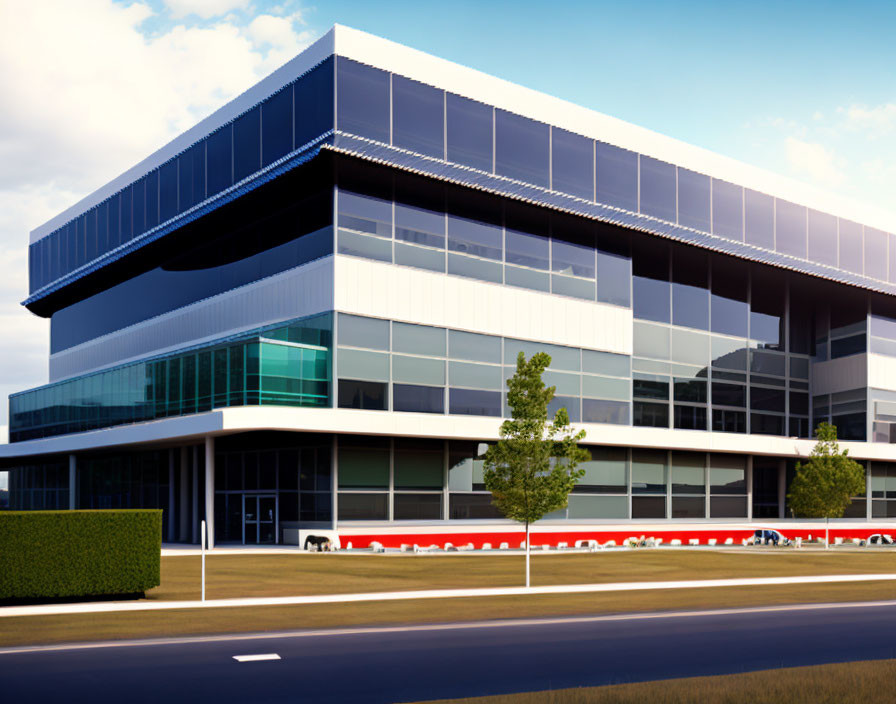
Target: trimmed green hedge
pixel 79 553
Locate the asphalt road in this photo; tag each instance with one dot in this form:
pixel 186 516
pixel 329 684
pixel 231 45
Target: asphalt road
pixel 402 665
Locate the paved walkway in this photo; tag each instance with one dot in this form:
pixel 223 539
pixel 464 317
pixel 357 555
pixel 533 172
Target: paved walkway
pixel 117 606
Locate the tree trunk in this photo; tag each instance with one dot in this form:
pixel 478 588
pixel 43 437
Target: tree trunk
pixel 527 554
pixel 827 540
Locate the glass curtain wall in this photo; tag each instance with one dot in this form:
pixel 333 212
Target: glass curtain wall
pixel 284 123
pixel 287 366
pixel 393 110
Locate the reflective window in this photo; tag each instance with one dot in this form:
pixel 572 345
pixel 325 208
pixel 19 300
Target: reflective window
pixel 875 254
pixel 614 274
pixel 657 189
pixel 472 237
pixel 690 288
pixel 648 472
pixel 724 421
pixel 763 399
pixel 527 249
pixel 851 246
pixel 572 164
pixel 418 117
pixel 469 132
pixel 606 471
pixel 790 228
pixel 418 370
pixel 246 144
pixel 727 474
pixel 689 417
pixel 521 148
pixel 356 331
pixel 688 473
pixel 693 200
pixel 365 214
pixel 419 226
pixel 822 238
pixel 767 308
pixel 652 415
pixel 362 100
pixel 418 399
pixel 729 298
pixel 369 395
pixel 418 339
pixel 650 283
pixel 276 126
pixel 219 154
pixel 472 402
pixel 468 345
pixel 615 412
pixel 617 177
pixel 728 394
pixel 727 210
pixel 759 219
pixel 572 259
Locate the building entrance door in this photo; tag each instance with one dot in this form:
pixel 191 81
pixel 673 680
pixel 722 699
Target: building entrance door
pixel 259 518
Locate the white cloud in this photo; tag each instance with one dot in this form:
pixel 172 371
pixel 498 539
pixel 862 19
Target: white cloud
pixel 814 160
pixel 206 9
pixel 876 121
pixel 87 94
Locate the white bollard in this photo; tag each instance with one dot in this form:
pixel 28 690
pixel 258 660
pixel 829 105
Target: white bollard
pixel 202 538
pixel 504 546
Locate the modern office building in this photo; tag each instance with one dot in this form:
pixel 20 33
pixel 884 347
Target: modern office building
pixel 301 313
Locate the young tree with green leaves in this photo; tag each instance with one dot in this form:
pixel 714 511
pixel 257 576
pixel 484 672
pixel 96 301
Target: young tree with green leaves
pixel 825 484
pixel 532 468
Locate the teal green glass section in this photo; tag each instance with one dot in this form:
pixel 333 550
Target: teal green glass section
pixel 286 366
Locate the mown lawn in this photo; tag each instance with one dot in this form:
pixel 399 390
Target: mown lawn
pixel 231 576
pixel 867 682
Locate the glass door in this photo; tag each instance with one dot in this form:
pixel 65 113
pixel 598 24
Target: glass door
pixel 259 519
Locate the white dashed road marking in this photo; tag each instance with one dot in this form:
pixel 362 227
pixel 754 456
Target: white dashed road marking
pixel 256 658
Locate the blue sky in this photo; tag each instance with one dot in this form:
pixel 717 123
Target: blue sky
pixel 805 89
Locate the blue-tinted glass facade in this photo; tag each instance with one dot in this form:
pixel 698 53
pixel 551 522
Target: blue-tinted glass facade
pixel 288 120
pixel 398 111
pixel 285 366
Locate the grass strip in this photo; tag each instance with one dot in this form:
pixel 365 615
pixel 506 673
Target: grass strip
pixel 70 628
pixel 863 682
pixel 234 576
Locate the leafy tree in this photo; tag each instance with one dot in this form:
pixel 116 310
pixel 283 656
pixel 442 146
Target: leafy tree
pixel 824 485
pixel 532 468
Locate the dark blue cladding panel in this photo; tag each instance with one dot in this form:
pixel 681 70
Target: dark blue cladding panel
pixel 470 132
pixel 219 157
pixel 617 177
pixel 246 144
pixel 314 96
pixel 276 126
pixel 694 200
pixel 727 210
pixel 658 192
pixel 363 95
pixel 167 191
pixel 522 148
pixel 790 228
pixel 418 117
pixel 572 164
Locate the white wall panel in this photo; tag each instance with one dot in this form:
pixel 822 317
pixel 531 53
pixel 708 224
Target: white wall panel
pixel 381 290
pixel 841 374
pixel 882 372
pixel 302 291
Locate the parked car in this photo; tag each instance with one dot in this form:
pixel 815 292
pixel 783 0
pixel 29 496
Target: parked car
pixel 769 537
pixel 880 539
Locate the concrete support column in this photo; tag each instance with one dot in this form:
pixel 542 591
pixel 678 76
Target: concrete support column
pixel 868 490
pixel 210 490
pixel 72 483
pixel 184 512
pixel 782 487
